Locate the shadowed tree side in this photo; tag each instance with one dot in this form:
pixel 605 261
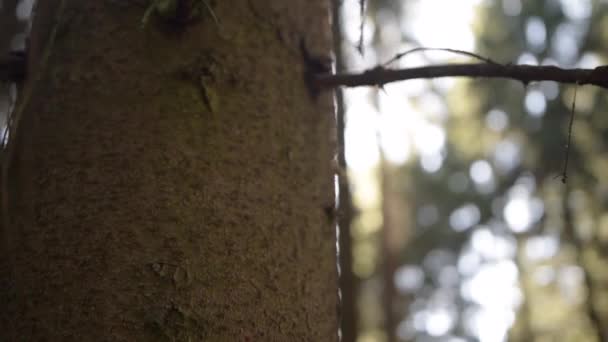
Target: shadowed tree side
pixel 348 280
pixel 170 183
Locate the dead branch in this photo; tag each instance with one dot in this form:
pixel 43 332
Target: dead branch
pixel 380 76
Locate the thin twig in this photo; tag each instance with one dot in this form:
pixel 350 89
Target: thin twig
pixel 379 75
pixel 212 13
pixel 456 51
pixel 567 150
pixel 361 26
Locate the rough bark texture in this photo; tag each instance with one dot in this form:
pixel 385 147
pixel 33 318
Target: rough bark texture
pixel 171 184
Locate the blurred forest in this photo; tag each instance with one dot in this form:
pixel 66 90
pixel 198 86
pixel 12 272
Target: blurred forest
pixel 464 230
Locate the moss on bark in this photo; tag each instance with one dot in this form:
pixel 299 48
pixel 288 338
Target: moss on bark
pixel 169 184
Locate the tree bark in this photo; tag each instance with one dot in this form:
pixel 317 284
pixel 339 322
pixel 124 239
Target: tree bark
pixel 170 183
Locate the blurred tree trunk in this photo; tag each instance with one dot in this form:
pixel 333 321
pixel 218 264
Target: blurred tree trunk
pixel 170 183
pixel 9 24
pixel 395 232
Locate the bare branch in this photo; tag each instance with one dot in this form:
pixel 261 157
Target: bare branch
pixel 379 76
pixel 361 26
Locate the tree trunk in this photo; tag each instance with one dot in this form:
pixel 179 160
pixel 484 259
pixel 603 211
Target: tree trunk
pixel 171 182
pixel 394 236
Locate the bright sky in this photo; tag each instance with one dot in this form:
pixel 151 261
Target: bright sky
pixel 402 128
